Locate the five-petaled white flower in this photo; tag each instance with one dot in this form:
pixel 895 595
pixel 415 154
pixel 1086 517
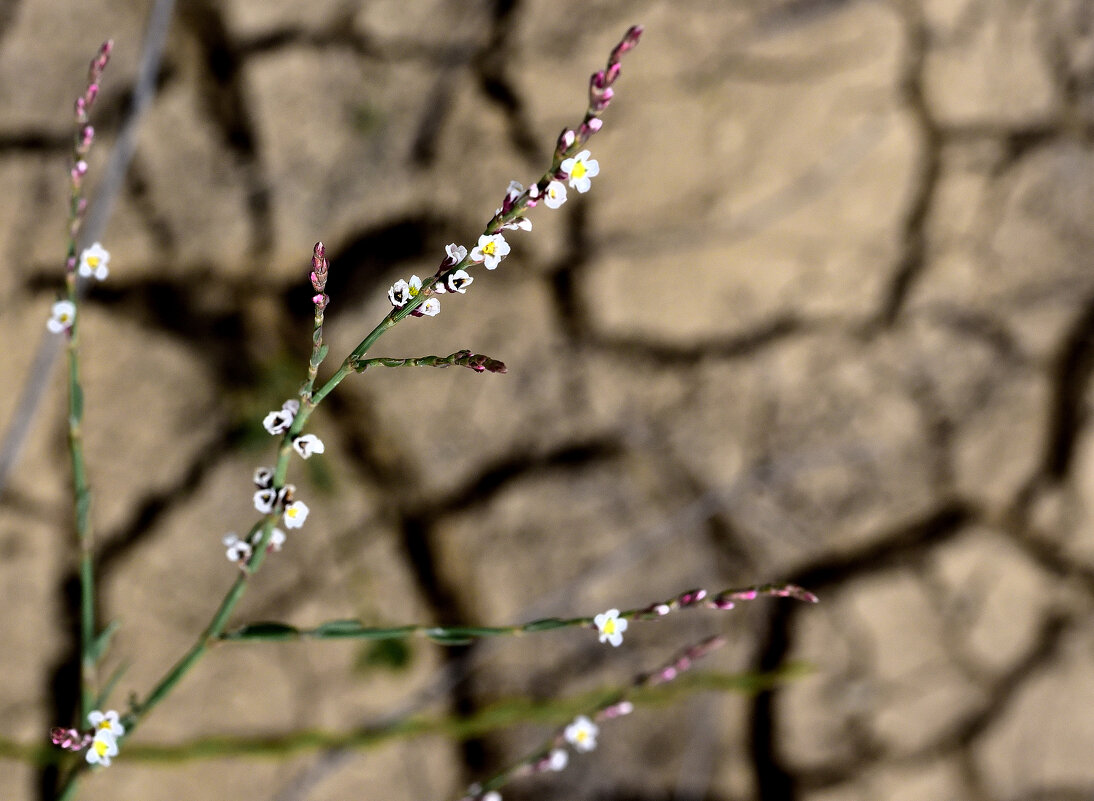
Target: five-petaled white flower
pixel 456 254
pixel 236 550
pixel 308 444
pixel 555 194
pixel 492 248
pixel 277 539
pixel 580 169
pixel 459 281
pixel 62 316
pixel 295 514
pixel 610 626
pixel 581 734
pixel 102 748
pixel 93 262
pixel 401 292
pixel 106 722
pixel 431 307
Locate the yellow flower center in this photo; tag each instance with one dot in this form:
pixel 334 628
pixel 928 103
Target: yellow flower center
pixel 93 262
pixel 579 170
pixel 582 735
pixel 290 512
pixel 489 248
pixel 609 626
pixel 100 747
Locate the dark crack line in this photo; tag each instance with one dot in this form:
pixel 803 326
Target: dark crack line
pixel 774 780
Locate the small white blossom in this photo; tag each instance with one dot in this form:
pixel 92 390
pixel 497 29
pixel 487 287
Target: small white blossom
pixel 555 195
pixel 611 627
pixel 277 539
pixel 580 169
pixel 263 477
pixel 514 190
pixel 295 514
pixel 493 795
pixel 558 759
pixel 264 500
pixel 62 316
pixel 459 281
pixel 103 747
pixel 278 422
pixel 292 406
pixel 237 550
pixel 492 248
pixel 456 253
pixel 308 444
pixel 431 307
pixel 106 722
pixel 93 262
pixel 581 734
pixel 401 292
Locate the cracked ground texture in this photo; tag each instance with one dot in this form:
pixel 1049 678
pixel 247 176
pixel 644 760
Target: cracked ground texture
pixel 827 317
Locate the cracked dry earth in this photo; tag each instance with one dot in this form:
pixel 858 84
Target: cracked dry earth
pixel 827 316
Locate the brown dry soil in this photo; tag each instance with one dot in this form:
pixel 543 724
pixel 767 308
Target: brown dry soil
pixel 826 316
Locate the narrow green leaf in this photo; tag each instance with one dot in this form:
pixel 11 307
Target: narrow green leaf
pixel 337 628
pixel 99 645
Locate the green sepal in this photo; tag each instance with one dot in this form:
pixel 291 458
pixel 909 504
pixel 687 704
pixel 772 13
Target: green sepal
pixel 98 646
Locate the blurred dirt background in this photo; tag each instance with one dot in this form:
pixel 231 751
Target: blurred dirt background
pixel 826 316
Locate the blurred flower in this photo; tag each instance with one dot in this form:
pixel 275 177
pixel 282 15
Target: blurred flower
pixel 237 550
pixel 611 627
pixel 94 261
pixel 106 722
pixel 103 747
pixel 558 759
pixel 581 734
pixel 62 316
pixel 263 477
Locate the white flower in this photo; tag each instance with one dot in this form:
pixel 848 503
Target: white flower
pixel 459 281
pixel 580 169
pixel 62 316
pixel 611 627
pixel 523 223
pixel 514 190
pixel 94 261
pixel 431 307
pixel 308 444
pixel 292 406
pixel 401 292
pixel 558 759
pixel 237 550
pixel 555 195
pixel 456 253
pixel 581 734
pixel 277 539
pixel 106 722
pixel 491 249
pixel 102 748
pixel 278 422
pixel 265 499
pixel 295 514
pixel 493 795
pixel 263 477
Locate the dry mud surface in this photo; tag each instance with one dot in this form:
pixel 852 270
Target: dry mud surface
pixel 826 316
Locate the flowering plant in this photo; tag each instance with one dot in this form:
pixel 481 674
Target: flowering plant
pixel 101 736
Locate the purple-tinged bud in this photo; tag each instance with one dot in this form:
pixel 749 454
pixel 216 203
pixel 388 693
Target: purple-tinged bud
pixel 565 139
pixel 612 73
pixel 598 80
pixel 723 603
pixel 691 597
pixel 68 739
pixel 629 41
pixel 81 109
pixel 617 710
pixel 87 135
pixel 661 609
pixel 91 93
